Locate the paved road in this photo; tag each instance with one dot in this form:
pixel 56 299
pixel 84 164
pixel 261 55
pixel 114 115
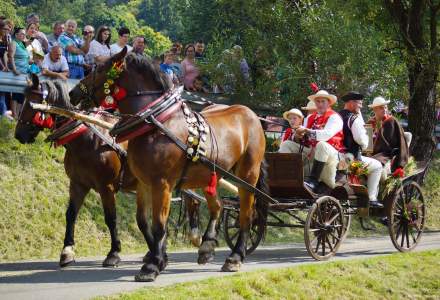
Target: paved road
pixel 86 279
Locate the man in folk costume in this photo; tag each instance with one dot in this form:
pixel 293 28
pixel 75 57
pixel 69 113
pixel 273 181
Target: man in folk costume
pixel 322 139
pixel 356 140
pixel 390 144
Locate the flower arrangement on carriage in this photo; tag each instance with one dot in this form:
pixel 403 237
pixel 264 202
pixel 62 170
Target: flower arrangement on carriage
pixel 357 172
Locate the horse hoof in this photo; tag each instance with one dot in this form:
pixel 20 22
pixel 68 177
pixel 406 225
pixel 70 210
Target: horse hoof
pixel 67 256
pixel 148 273
pixel 147 260
pixel 145 277
pixel 231 266
pixel 112 260
pixel 195 238
pixel 205 258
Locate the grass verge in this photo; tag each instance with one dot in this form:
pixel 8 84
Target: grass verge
pixel 396 276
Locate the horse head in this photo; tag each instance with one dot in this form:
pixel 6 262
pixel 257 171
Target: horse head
pixel 30 121
pixel 125 81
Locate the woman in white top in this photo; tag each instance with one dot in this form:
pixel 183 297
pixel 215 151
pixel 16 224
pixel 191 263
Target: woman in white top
pixel 100 46
pixel 33 45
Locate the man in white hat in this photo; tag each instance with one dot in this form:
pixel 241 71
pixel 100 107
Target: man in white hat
pixel 310 108
pixel 389 139
pixel 356 140
pixel 322 135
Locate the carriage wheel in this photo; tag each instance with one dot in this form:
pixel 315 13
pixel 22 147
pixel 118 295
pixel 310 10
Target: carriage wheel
pixel 231 227
pixel 407 217
pixel 325 228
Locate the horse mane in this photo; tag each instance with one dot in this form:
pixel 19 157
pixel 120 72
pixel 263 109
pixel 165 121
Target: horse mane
pixel 144 65
pixel 58 92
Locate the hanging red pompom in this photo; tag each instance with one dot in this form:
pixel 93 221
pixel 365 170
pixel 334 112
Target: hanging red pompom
pixel 399 172
pixel 38 119
pixel 211 189
pixel 119 93
pixel 314 87
pixel 48 122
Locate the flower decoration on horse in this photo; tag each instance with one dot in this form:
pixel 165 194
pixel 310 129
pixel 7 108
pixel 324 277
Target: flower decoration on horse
pixel 357 172
pixel 112 91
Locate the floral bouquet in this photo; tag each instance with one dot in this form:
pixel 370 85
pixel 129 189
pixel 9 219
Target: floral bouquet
pixel 357 170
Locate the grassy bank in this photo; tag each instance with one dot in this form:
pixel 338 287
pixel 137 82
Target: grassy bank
pixel 396 276
pixel 34 196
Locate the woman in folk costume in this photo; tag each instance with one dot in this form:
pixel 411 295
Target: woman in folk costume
pixel 390 144
pixel 295 119
pixel 322 139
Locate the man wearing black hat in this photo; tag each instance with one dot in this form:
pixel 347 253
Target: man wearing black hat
pixel 356 140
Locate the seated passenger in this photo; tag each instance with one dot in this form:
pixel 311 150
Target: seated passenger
pixel 322 139
pixel 356 140
pixel 310 109
pixel 295 119
pixel 390 144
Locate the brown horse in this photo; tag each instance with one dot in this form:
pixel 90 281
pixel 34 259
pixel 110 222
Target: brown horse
pixel 89 164
pixel 236 143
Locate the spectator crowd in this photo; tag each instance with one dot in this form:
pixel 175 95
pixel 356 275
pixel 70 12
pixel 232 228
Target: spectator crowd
pixel 64 54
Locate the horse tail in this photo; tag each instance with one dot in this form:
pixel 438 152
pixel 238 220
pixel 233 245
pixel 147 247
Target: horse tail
pixel 261 204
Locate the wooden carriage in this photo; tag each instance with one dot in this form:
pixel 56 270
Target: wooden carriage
pixel 329 215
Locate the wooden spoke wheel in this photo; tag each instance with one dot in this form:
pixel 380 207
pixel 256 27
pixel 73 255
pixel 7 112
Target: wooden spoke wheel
pixel 348 214
pixel 325 228
pixel 231 227
pixel 406 217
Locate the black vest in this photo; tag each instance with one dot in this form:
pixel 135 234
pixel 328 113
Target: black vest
pixel 349 143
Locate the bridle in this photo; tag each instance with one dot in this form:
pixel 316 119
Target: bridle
pixel 88 93
pixel 43 92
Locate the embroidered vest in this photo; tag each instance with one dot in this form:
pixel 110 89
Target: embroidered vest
pixel 317 122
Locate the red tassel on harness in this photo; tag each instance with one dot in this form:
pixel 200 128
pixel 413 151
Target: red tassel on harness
pixel 211 189
pixel 38 119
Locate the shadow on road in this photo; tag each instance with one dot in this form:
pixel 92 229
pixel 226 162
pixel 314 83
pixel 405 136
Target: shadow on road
pixel 184 262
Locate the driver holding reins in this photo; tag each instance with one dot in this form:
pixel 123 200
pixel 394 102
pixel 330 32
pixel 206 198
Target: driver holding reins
pixel 321 137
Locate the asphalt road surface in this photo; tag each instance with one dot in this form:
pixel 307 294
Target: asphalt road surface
pixel 86 278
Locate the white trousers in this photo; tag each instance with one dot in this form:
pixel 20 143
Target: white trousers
pixel 374 174
pixel 323 152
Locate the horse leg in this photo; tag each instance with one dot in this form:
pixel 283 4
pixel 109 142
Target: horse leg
pixel 247 199
pixel 77 193
pixel 192 207
pixel 109 204
pixel 161 196
pixel 209 240
pixel 143 204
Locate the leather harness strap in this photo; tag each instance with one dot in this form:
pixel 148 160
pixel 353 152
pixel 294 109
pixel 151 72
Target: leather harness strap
pixel 210 164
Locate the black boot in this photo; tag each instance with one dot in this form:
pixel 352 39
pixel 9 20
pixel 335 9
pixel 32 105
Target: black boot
pixel 312 181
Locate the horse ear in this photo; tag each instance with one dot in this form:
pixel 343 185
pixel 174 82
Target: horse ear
pixel 34 81
pixel 119 56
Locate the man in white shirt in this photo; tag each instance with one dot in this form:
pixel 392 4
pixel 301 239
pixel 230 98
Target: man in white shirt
pixel 55 64
pixel 124 36
pixel 321 138
pixel 356 140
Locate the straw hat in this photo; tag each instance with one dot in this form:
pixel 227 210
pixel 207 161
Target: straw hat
pixel 379 101
pixel 310 106
pixel 323 94
pixel 293 111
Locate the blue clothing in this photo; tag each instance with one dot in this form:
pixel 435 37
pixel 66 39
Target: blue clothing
pixel 34 69
pixel 76 71
pixel 65 40
pixel 3 107
pixel 167 69
pixel 21 57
